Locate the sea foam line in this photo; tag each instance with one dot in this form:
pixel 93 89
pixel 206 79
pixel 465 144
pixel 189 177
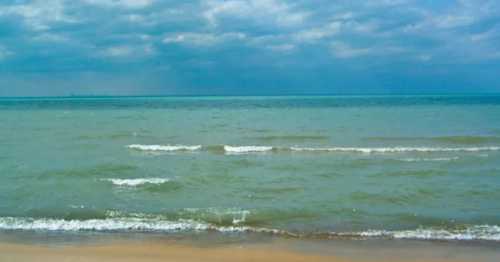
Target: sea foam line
pixel 437 159
pixel 164 147
pixel 368 150
pixel 136 181
pixel 475 232
pixel 109 224
pixel 260 149
pixel 246 149
pixel 132 224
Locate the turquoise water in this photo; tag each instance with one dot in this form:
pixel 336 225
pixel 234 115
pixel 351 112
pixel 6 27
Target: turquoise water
pixel 420 167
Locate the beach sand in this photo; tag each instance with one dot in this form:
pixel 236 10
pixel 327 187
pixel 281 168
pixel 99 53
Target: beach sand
pixel 153 251
pixel 149 253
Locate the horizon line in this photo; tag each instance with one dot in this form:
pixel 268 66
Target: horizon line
pixel 252 95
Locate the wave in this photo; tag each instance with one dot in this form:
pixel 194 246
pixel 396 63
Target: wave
pixel 364 150
pixel 247 149
pixel 108 224
pixel 218 216
pixel 437 159
pixel 369 150
pixel 136 181
pixel 475 232
pixel 164 147
pixel 129 224
pixel 137 224
pixel 260 149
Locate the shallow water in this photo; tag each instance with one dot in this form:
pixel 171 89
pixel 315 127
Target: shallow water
pixel 418 167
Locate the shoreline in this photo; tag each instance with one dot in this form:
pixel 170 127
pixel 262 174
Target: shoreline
pixel 43 246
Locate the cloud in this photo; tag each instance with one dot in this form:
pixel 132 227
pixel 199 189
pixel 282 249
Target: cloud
pixel 202 39
pixel 285 48
pixel 133 4
pixel 424 57
pixel 4 53
pixel 39 15
pixel 50 37
pixel 127 51
pixel 276 12
pixel 343 50
pixel 315 34
pixel 246 39
pixel 453 21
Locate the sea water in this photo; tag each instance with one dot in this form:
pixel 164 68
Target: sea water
pixel 411 167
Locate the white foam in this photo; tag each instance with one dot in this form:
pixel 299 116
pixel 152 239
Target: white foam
pixel 437 159
pixel 134 224
pixel 152 224
pixel 239 216
pixel 368 150
pixel 165 147
pixel 246 149
pixel 109 224
pixel 477 232
pixel 137 181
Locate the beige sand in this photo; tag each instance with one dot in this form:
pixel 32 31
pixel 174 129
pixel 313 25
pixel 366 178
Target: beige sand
pixel 147 253
pixel 155 252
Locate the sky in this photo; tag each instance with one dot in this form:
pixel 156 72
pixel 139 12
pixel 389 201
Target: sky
pixel 248 47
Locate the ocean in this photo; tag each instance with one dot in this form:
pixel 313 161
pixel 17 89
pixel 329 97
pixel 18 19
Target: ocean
pixel 321 167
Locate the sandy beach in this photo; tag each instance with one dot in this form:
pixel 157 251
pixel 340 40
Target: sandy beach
pixel 150 253
pixel 45 248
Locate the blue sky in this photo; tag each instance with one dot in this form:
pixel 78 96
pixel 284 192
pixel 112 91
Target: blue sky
pixel 141 47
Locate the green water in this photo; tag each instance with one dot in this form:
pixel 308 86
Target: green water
pixel 396 167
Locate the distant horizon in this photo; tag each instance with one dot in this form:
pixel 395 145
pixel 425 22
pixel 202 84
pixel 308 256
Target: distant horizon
pixel 254 95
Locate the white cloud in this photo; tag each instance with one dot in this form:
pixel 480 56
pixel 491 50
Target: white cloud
pixel 344 23
pixel 135 18
pixel 284 48
pixel 124 51
pixel 486 35
pixel 202 39
pixel 386 3
pixel 121 3
pixel 274 11
pixel 343 50
pixel 315 34
pixel 39 15
pixel 453 21
pixel 4 53
pixel 50 37
pixel 117 51
pixel 462 14
pixel 424 57
pixel 368 27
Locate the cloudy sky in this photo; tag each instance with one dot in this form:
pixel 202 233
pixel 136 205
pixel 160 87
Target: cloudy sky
pixel 141 47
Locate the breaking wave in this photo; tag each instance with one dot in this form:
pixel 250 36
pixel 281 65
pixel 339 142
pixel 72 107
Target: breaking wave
pixel 137 181
pixel 475 232
pixel 150 224
pixel 437 159
pixel 369 150
pixel 247 149
pixel 365 150
pixel 129 224
pixel 168 148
